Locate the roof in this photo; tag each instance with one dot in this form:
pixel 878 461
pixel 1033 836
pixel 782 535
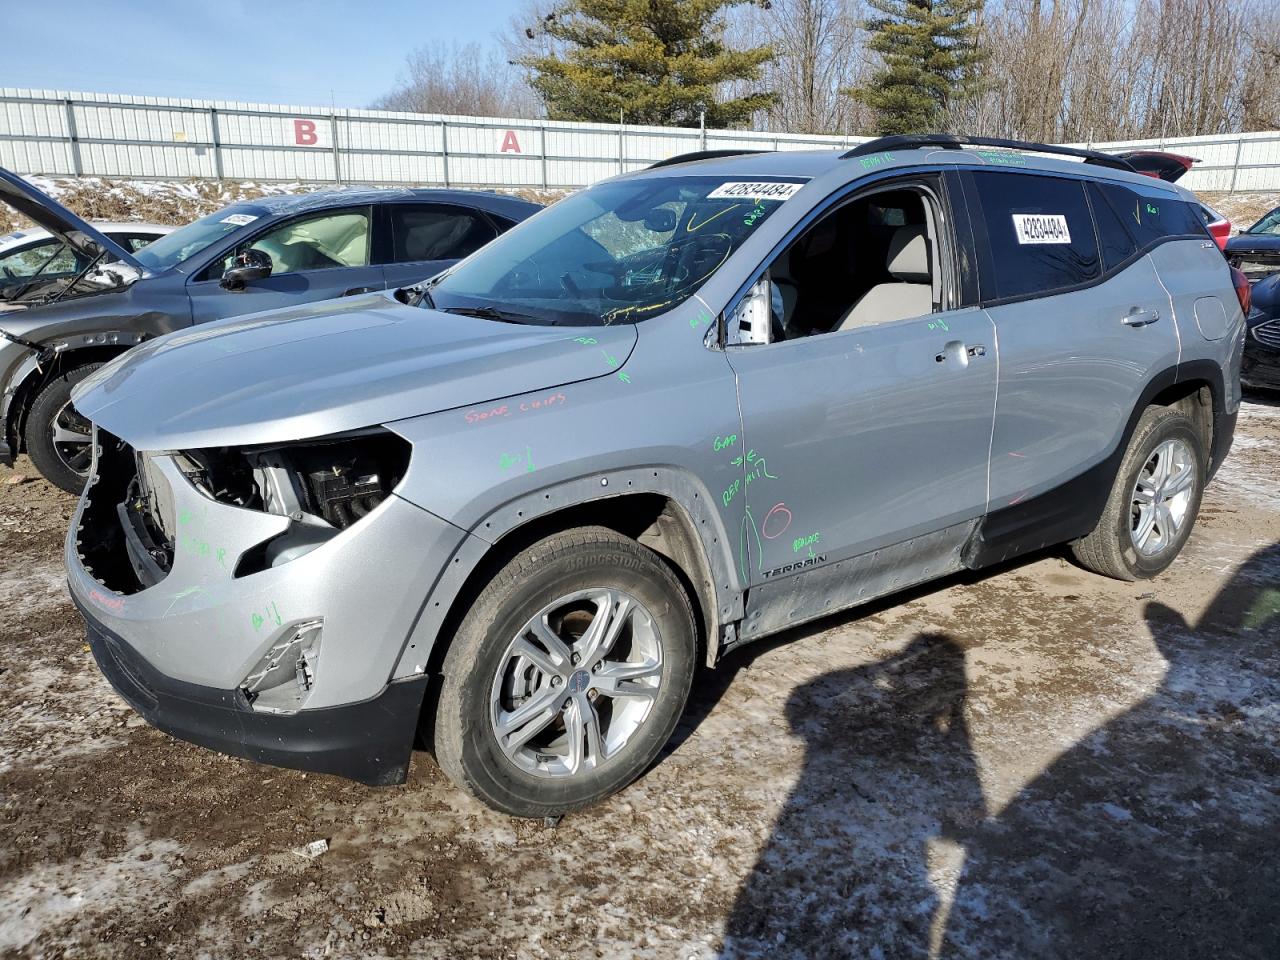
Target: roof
pixel 821 164
pixel 287 203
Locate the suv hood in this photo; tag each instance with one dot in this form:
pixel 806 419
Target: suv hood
pixel 330 367
pixel 61 222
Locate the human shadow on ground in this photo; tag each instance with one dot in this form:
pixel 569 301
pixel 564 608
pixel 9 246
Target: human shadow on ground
pixel 846 870
pixel 1156 836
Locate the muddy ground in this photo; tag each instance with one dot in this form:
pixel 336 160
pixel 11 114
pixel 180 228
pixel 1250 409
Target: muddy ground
pixel 1033 763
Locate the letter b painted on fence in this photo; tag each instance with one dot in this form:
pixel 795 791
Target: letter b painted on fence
pixel 304 133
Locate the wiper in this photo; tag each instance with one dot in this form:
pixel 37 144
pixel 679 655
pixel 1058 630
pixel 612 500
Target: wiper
pixel 78 277
pixel 493 313
pixel 423 291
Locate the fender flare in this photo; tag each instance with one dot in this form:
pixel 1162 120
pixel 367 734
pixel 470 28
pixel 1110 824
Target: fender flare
pixel 724 604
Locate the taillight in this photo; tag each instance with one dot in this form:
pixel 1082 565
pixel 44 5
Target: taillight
pixel 1244 293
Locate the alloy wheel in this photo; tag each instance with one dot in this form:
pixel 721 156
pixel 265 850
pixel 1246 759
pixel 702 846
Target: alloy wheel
pixel 576 683
pixel 1161 497
pixel 72 439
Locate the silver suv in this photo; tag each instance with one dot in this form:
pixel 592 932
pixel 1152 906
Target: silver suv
pixel 686 408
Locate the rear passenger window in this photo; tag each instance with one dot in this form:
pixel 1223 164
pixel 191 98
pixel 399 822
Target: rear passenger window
pixel 428 232
pixel 1041 233
pixel 1150 218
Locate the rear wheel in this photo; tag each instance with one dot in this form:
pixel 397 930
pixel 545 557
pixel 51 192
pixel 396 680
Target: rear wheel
pixel 567 675
pixel 58 438
pixel 1154 501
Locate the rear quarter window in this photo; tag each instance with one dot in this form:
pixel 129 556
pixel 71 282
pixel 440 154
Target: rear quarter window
pixel 1041 233
pixel 1150 218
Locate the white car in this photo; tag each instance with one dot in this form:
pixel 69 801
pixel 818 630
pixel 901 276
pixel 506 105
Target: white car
pixel 35 254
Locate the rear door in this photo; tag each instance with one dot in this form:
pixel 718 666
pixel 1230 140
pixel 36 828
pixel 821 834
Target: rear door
pixel 1185 256
pixel 425 238
pixel 1083 327
pixel 314 257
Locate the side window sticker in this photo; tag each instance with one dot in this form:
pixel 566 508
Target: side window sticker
pixel 1041 228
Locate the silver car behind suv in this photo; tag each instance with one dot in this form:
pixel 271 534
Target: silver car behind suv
pixel 669 415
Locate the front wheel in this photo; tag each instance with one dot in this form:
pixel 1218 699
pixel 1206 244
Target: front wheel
pixel 567 675
pixel 1154 501
pixel 59 439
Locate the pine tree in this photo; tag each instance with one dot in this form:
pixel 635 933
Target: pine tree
pixel 930 58
pixel 655 61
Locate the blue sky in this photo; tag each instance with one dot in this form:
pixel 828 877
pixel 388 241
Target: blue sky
pixel 280 51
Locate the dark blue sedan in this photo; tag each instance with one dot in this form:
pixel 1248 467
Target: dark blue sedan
pixel 256 255
pixel 1256 252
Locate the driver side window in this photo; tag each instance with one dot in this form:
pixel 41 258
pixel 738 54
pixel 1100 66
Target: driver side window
pixel 324 241
pixel 870 261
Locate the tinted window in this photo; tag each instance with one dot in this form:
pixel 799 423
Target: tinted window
pixel 1150 217
pixel 1040 230
pixel 424 232
pixel 1118 243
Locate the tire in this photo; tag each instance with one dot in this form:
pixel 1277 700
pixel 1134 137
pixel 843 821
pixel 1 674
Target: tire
pixel 54 460
pixel 1162 437
pixel 486 674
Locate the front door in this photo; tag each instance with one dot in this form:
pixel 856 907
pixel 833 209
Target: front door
pixel 314 257
pixel 866 418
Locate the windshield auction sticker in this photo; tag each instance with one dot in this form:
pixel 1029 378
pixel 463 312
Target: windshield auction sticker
pixel 239 219
pixel 754 190
pixel 1041 228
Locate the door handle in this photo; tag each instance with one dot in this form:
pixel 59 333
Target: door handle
pixel 954 351
pixel 354 291
pixel 1140 318
pixel 960 353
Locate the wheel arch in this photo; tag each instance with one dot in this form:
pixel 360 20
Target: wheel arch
pixel 31 377
pixel 658 507
pixel 1071 510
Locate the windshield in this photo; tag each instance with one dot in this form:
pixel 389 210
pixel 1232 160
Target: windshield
pixel 168 251
pixel 619 252
pixel 1268 224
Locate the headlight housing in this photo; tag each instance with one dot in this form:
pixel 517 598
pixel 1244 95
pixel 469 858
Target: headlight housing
pixel 130 528
pixel 323 486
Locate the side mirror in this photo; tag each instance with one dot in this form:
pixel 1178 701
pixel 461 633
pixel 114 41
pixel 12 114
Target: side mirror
pixel 660 220
pixel 249 265
pixel 751 319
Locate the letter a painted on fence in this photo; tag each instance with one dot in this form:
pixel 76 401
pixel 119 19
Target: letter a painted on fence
pixel 304 133
pixel 510 144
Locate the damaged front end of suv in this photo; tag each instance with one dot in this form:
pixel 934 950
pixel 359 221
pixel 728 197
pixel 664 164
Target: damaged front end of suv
pixel 201 557
pixel 251 553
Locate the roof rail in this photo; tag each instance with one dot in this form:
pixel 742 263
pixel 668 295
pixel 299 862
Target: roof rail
pixel 948 141
pixel 701 155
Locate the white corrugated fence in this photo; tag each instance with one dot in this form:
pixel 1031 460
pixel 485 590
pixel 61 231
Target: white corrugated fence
pixel 56 132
